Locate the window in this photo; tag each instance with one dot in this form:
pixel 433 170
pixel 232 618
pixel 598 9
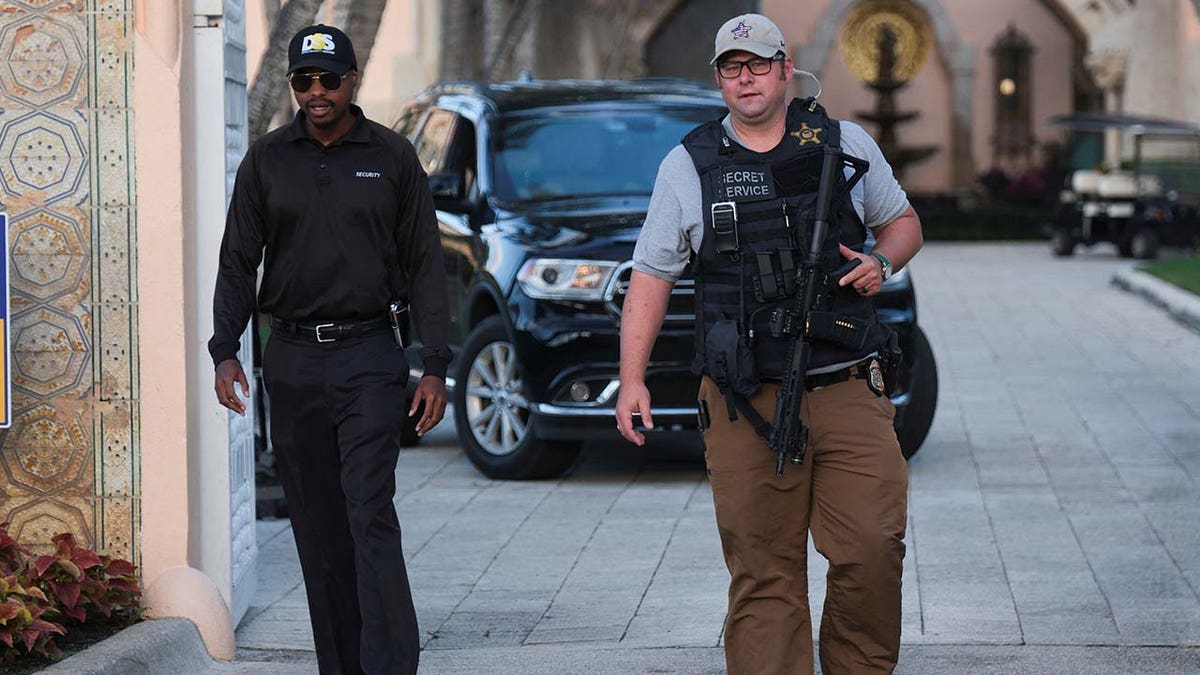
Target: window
pixel 543 155
pixel 1011 56
pixel 433 139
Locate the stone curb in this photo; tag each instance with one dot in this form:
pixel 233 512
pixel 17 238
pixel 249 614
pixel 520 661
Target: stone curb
pixel 152 646
pixel 1182 305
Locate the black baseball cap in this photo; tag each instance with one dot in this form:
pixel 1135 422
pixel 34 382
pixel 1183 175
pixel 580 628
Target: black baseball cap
pixel 323 47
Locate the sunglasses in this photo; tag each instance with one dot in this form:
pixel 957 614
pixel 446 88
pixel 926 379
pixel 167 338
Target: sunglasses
pixel 302 82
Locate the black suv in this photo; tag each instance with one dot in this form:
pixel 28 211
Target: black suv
pixel 541 189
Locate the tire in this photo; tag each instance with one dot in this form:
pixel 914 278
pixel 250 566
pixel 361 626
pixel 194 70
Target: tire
pixel 1062 242
pixel 488 383
pixel 1144 245
pixel 923 390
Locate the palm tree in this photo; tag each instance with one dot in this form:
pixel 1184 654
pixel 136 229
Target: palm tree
pixel 360 19
pixel 269 84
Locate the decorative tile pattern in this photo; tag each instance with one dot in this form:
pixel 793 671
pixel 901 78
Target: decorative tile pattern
pixel 42 154
pixel 70 461
pixel 42 60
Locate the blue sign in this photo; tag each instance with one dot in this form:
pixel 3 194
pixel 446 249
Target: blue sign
pixel 5 369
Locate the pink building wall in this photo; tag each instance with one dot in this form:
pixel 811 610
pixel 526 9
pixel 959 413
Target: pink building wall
pixel 975 23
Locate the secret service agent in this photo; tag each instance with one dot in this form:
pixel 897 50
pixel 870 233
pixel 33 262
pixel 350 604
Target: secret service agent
pixel 736 197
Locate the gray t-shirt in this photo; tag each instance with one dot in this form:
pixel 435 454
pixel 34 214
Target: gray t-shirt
pixel 674 224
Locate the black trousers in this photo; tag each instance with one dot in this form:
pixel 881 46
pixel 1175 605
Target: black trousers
pixel 336 414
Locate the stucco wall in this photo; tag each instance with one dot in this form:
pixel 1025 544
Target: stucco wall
pixel 70 460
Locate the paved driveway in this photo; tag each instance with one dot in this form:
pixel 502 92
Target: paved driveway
pixel 1054 512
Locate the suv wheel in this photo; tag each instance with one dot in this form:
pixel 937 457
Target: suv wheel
pixel 491 413
pixel 923 390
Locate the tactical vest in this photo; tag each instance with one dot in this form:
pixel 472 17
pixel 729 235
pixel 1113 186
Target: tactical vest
pixel 774 194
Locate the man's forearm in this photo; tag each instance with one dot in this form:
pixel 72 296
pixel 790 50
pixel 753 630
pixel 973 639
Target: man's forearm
pixel 900 239
pixel 641 318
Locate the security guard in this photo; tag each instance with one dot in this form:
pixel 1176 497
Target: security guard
pixel 737 198
pixel 342 208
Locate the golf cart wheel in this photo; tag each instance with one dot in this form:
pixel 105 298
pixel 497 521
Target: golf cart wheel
pixel 923 391
pixel 492 416
pixel 1144 245
pixel 1062 242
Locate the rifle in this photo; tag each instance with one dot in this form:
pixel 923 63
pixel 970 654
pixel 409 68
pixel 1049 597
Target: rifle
pixel 789 437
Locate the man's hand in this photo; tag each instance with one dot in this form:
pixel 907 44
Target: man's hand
pixel 230 372
pixel 634 397
pixel 431 391
pixel 867 278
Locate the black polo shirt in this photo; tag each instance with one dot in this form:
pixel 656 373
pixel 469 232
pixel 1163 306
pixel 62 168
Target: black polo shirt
pixel 344 228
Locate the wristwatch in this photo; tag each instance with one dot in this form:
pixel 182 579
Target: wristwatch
pixel 885 265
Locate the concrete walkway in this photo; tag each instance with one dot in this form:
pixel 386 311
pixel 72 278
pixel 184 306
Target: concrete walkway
pixel 1053 527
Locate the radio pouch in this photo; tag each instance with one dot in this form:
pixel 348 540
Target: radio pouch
pixel 730 363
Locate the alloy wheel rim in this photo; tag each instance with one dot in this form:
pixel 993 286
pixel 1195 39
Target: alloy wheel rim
pixel 496 409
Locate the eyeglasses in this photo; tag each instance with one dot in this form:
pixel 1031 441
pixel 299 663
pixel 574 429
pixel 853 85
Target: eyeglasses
pixel 302 82
pixel 758 66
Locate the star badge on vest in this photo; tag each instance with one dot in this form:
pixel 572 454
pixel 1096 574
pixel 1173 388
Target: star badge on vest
pixel 318 42
pixel 807 134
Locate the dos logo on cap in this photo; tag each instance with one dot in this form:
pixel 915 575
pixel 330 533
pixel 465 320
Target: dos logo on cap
pixel 318 42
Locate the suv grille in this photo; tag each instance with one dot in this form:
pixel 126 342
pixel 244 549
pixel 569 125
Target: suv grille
pixel 680 307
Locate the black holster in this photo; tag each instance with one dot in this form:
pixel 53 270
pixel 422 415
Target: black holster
pixel 891 357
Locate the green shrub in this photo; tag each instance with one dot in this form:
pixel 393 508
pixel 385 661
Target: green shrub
pixel 943 222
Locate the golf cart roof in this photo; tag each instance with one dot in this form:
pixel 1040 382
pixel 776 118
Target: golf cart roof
pixel 1134 124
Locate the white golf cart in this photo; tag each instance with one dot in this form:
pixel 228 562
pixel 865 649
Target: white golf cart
pixel 1152 200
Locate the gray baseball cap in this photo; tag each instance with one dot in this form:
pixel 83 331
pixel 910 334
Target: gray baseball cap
pixel 752 33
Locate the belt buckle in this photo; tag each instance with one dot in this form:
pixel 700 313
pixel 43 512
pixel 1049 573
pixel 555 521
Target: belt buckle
pixel 323 339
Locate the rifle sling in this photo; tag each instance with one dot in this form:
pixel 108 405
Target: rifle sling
pixel 761 426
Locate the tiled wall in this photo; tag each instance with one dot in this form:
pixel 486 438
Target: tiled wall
pixel 70 460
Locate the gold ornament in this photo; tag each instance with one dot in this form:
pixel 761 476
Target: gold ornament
pixel 859 38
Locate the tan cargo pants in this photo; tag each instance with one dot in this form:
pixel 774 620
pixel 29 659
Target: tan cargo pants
pixel 850 492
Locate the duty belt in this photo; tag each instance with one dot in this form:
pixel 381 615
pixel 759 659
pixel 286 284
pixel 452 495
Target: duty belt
pixel 330 331
pixel 858 371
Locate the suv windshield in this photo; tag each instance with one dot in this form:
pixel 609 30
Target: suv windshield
pixel 544 155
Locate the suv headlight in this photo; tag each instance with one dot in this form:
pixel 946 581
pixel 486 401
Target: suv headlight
pixel 556 279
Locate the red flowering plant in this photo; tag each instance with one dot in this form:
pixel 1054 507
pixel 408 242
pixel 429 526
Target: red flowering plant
pixel 13 556
pixel 22 607
pixel 87 584
pixel 23 630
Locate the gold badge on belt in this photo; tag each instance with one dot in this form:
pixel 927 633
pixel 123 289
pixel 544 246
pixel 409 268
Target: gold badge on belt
pixel 875 377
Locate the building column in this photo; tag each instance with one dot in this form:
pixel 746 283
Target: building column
pixel 170 482
pixel 1108 69
pixel 962 157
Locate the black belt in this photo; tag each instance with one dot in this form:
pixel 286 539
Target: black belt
pixel 330 331
pixel 858 371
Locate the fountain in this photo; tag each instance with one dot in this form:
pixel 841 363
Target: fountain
pixel 885 114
